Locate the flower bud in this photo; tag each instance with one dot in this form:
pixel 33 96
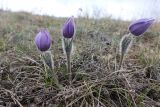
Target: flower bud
pixel 68 29
pixel 43 40
pixel 140 26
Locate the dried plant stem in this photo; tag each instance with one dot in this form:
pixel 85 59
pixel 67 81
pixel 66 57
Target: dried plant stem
pixel 130 90
pixel 13 97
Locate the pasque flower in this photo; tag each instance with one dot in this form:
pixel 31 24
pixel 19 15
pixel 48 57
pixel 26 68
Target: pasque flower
pixel 43 40
pixel 68 29
pixel 140 26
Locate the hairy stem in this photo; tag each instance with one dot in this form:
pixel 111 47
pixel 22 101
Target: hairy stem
pixel 69 67
pixel 121 61
pixel 55 78
pixel 125 44
pixel 49 69
pixel 68 48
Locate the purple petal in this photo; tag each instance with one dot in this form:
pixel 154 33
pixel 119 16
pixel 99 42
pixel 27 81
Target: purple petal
pixel 68 29
pixel 140 26
pixel 43 40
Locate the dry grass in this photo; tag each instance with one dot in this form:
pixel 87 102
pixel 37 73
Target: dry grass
pixel 96 80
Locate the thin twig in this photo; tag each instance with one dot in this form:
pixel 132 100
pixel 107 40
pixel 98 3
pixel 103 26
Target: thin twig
pixel 12 96
pixel 130 89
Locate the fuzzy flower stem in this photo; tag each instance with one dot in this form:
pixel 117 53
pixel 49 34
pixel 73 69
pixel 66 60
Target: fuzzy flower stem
pixel 121 61
pixel 125 43
pixel 68 48
pixel 55 78
pixel 69 67
pixel 48 63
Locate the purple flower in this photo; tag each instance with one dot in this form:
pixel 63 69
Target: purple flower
pixel 140 26
pixel 43 40
pixel 68 29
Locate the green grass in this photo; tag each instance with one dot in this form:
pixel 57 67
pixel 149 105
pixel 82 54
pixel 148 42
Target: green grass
pixel 94 64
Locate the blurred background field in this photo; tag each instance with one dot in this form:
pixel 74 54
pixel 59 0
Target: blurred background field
pixel 94 64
